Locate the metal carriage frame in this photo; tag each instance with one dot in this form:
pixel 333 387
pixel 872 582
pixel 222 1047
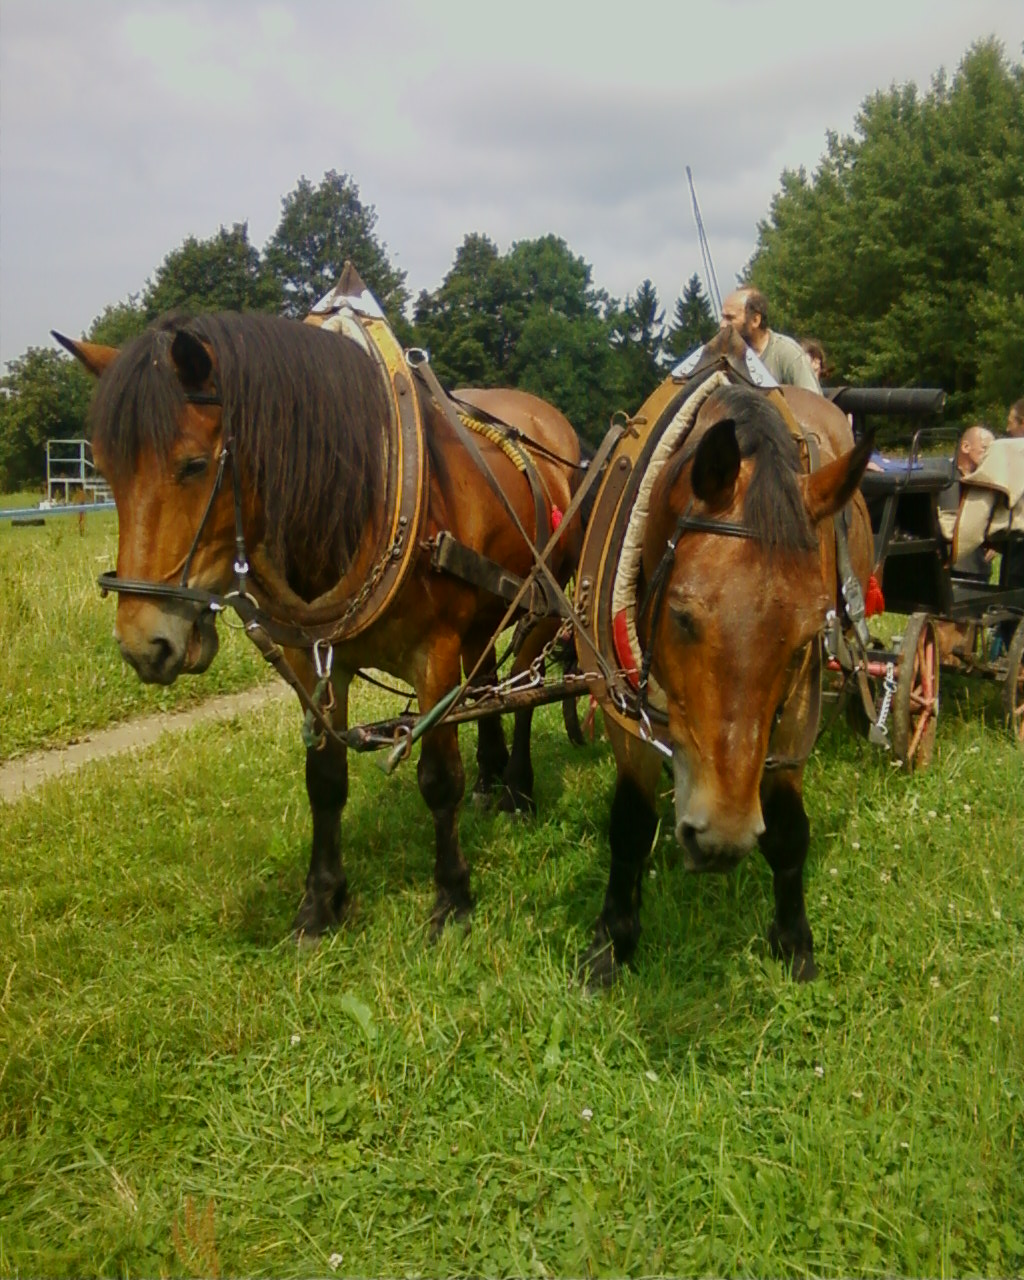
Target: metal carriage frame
pixel 955 623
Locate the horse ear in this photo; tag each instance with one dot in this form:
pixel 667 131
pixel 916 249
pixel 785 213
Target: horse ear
pixel 95 357
pixel 191 359
pixel 830 489
pixel 716 464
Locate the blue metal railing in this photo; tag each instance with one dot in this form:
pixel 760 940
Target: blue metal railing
pixel 62 509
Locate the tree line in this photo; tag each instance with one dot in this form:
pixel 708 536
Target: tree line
pixel 903 253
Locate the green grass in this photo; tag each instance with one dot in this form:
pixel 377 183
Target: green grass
pixel 183 1092
pixel 61 674
pixel 24 498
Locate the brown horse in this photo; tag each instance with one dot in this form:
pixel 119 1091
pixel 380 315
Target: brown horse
pixel 738 571
pixel 307 413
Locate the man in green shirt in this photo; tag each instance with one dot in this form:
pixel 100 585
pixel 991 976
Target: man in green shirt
pixel 746 310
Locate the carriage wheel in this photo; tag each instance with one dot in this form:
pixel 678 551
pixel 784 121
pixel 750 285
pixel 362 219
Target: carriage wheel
pixel 1013 685
pixel 915 707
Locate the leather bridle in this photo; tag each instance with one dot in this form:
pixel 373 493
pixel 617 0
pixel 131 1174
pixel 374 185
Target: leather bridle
pixel 239 598
pixel 654 598
pixel 655 594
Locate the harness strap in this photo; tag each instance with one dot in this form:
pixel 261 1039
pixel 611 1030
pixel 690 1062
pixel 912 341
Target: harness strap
pixel 591 476
pixel 464 427
pixel 557 602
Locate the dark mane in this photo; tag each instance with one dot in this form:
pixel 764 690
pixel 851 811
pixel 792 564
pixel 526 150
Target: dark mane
pixel 773 506
pixel 307 411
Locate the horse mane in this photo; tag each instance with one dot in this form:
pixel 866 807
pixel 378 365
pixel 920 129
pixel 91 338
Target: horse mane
pixel 307 412
pixel 773 505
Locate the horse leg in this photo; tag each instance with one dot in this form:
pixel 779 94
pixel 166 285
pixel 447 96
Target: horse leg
pixel 442 782
pixel 325 899
pixel 632 828
pixel 517 795
pixel 784 844
pixel 491 751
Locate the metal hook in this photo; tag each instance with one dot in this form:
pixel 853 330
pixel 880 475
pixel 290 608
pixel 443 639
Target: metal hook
pixel 323 668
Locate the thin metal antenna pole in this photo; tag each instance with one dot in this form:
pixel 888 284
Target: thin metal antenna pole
pixel 705 251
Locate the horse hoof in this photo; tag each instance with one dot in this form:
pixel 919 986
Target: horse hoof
pixel 516 804
pixel 319 915
pixel 804 968
pixel 482 798
pixel 446 910
pixel 598 970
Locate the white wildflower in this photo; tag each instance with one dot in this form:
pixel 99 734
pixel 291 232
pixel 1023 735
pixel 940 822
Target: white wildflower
pixel 833 871
pixel 996 914
pixel 587 1114
pixel 994 1017
pixel 885 877
pixel 335 1261
pixel 819 1071
pixel 858 1094
pixel 295 1038
pixel 854 844
pixel 652 1076
pixel 934 980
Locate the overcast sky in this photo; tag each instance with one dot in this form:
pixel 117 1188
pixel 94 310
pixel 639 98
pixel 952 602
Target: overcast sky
pixel 126 126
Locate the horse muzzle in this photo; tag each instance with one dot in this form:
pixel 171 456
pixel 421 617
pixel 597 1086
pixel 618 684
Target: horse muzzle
pixel 173 646
pixel 713 840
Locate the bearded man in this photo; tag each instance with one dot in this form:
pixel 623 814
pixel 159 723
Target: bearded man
pixel 746 311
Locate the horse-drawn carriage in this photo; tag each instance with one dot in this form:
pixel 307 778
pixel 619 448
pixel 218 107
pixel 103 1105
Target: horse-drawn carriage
pixel 322 485
pixel 958 621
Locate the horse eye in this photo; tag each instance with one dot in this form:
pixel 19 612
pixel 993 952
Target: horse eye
pixel 686 624
pixel 193 467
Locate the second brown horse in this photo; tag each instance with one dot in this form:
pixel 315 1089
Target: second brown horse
pixel 739 569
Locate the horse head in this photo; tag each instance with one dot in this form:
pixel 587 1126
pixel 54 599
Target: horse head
pixel 157 435
pixel 735 548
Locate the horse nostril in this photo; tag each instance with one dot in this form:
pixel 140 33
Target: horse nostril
pixel 689 831
pixel 161 652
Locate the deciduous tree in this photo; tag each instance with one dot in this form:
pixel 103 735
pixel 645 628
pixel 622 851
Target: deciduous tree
pixel 531 319
pixel 903 251
pixel 223 273
pixel 44 396
pixel 320 228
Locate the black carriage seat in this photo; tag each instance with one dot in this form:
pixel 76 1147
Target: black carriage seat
pixel 912 554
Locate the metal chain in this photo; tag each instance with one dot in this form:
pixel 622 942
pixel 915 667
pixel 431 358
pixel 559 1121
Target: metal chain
pixel 368 587
pixel 533 677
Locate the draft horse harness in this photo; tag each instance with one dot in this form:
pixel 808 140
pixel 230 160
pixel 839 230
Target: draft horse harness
pixel 611 670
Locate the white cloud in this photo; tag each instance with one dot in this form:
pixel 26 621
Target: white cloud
pixel 126 126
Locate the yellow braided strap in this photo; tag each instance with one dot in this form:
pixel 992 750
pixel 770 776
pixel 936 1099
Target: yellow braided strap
pixel 498 438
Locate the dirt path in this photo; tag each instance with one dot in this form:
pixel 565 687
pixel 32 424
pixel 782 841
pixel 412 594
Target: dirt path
pixel 18 777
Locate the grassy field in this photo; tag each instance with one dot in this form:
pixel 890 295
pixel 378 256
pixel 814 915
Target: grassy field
pixel 184 1092
pixel 61 674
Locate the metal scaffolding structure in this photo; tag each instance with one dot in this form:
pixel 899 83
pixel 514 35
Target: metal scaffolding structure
pixel 71 473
